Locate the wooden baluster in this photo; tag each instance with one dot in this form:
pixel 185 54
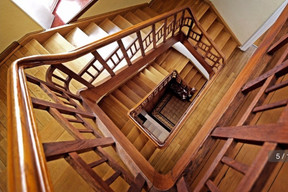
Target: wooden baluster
pixel 87 173
pixel 140 43
pixel 124 52
pixel 103 62
pixel 174 25
pixel 276 46
pixel 182 21
pixel 154 35
pixel 165 30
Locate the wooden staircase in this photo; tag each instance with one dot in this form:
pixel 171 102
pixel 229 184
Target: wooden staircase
pixel 209 20
pixel 117 103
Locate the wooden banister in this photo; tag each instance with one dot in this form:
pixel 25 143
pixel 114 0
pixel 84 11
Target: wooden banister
pixel 27 163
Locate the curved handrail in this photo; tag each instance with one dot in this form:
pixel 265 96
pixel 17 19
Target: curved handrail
pixel 26 157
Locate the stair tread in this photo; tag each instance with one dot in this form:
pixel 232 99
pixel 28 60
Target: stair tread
pixel 208 19
pixel 132 18
pixel 150 11
pixel 215 29
pixel 174 61
pixel 140 141
pixel 141 82
pixel 114 109
pixel 160 59
pixel 148 149
pixel 186 70
pixel 152 76
pixel 136 88
pixel 95 32
pixel 154 154
pixel 133 134
pixel 160 69
pixel 190 75
pixel 156 72
pixel 130 93
pixel 200 83
pixel 127 127
pixel 33 47
pixel 221 39
pixel 77 37
pixel 193 82
pixel 142 15
pixel 109 27
pixel 229 48
pixel 201 10
pixel 58 44
pixel 124 99
pixel 122 22
pixel 151 84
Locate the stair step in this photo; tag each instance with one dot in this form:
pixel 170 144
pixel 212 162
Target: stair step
pixel 201 10
pixel 152 76
pixel 161 58
pixel 127 127
pixel 229 48
pixel 174 61
pixel 130 93
pixel 186 70
pixel 142 83
pixel 124 99
pixel 58 44
pixel 33 47
pixel 193 82
pixel 150 11
pixel 157 5
pixel 151 84
pixel 77 37
pixel 122 22
pixel 156 72
pixel 142 15
pixel 208 19
pixel 136 88
pixel 154 155
pixel 110 27
pixel 132 18
pixel 140 141
pixel 148 149
pixel 133 134
pixel 222 39
pixel 215 29
pixel 190 75
pixel 200 83
pixel 160 69
pixel 114 109
pixel 95 32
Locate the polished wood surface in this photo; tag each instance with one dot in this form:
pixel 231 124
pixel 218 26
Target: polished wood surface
pixel 175 157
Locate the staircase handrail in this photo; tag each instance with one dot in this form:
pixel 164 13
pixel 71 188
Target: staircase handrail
pixel 27 167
